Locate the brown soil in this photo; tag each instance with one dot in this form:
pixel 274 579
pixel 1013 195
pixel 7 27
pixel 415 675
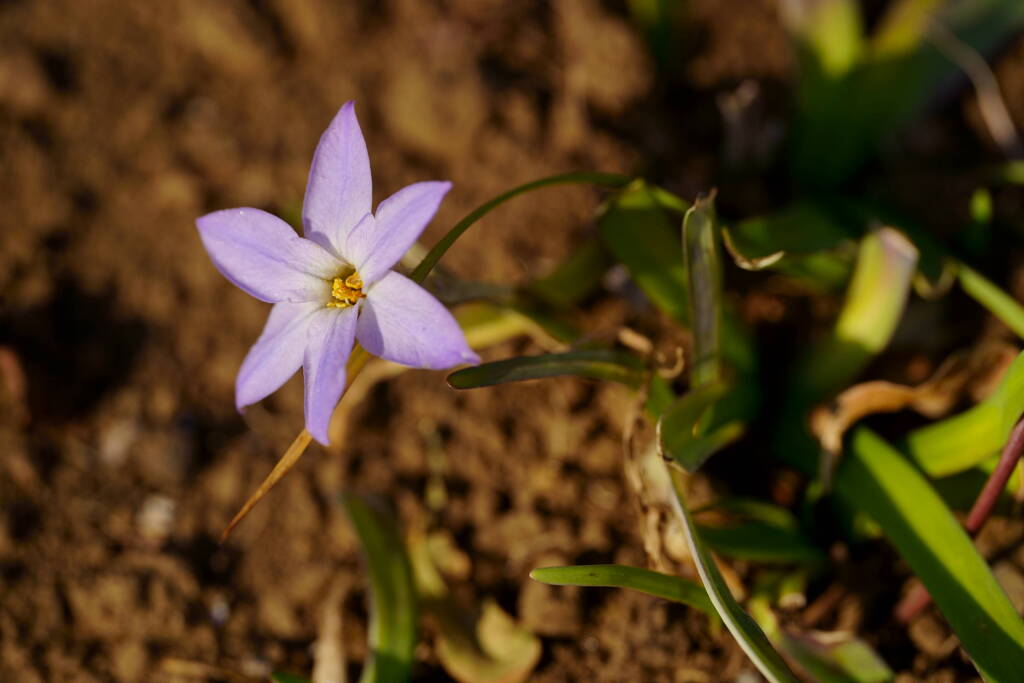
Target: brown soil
pixel 122 454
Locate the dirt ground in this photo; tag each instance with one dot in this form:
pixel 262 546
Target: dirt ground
pixel 122 454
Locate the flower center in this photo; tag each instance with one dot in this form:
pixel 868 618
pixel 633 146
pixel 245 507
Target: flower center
pixel 346 290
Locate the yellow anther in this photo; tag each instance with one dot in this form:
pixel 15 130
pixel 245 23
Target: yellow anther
pixel 346 291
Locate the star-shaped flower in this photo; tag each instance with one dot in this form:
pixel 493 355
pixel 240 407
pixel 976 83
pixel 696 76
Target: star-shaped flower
pixel 335 285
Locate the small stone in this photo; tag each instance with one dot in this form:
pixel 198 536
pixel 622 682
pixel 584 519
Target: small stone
pixel 932 637
pixel 116 441
pixel 155 519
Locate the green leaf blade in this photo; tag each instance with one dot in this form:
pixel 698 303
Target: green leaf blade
pixel 281 677
pixel 872 309
pixel 599 364
pixel 999 303
pixel 743 628
pixel 704 277
pixel 759 542
pixel 679 435
pixel 967 439
pixel 638 232
pixel 875 478
pixel 660 585
pixel 445 243
pixel 393 612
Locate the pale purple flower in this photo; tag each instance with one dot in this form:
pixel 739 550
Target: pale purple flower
pixel 335 285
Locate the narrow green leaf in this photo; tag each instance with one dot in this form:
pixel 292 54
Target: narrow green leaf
pixel 486 324
pixel 680 436
pixel 639 226
pixel 479 645
pixel 640 235
pixel 497 650
pixel 811 242
pixel 878 291
pixel 715 337
pixel 796 229
pixel 1010 173
pixel 576 277
pixel 824 657
pixel 757 531
pixel 696 452
pixel 860 661
pixel 744 629
pixel 887 86
pixel 704 277
pixel 660 585
pixel 903 27
pixel 849 661
pixel 604 364
pixel 660 396
pixel 875 478
pixel 753 509
pixel 999 303
pixel 965 440
pixel 710 416
pixel 393 611
pixel 874 304
pixel 975 238
pixel 659 20
pixel 444 244
pixel 829 34
pixel 759 542
pixel 981 206
pixel 281 677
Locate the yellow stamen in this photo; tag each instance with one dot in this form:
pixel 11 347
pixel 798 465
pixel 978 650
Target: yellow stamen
pixel 346 291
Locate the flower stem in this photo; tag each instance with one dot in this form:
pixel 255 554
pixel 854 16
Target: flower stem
pixel 356 362
pixel 582 177
pixel 283 466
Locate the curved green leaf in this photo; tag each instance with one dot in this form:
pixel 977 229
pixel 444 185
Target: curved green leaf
pixel 875 478
pixel 871 93
pixel 640 228
pixel 444 244
pixel 660 585
pixel 604 364
pixel 744 629
pixel 808 238
pixel 759 542
pixel 280 677
pixel 680 433
pixel 640 235
pixel 393 611
pixel 704 277
pixel 753 509
pixel 757 531
pixel 848 661
pixel 576 277
pixel 965 440
pixel 825 657
pixel 875 299
pixel 479 645
pixel 704 420
pixel 999 303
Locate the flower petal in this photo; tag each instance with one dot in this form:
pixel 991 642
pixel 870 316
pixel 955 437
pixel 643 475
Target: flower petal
pixel 277 354
pixel 263 256
pixel 331 336
pixel 404 323
pixel 375 246
pixel 340 190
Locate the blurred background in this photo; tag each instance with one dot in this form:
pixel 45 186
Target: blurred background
pixel 121 454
